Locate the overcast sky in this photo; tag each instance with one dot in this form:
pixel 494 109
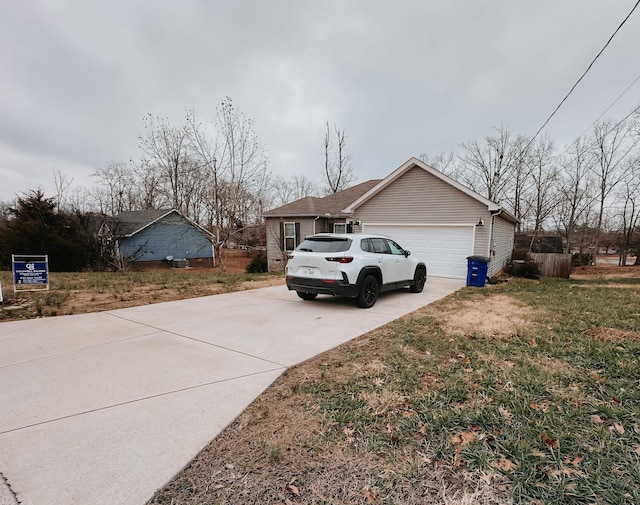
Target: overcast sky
pixel 400 77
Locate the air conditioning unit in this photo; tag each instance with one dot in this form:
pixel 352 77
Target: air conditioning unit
pixel 183 263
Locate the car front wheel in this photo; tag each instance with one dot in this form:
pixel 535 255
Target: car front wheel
pixel 368 292
pixel 306 296
pixel 419 278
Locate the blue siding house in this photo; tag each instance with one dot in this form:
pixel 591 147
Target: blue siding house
pixel 161 235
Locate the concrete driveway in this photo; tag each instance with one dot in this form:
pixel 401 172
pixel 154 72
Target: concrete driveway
pixel 105 408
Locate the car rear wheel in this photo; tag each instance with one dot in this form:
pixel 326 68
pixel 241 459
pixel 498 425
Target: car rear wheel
pixel 419 278
pixel 306 296
pixel 368 292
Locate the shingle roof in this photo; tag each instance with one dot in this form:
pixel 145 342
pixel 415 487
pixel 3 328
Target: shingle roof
pixel 130 222
pixel 332 204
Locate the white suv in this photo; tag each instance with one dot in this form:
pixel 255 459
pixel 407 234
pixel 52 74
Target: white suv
pixel 353 265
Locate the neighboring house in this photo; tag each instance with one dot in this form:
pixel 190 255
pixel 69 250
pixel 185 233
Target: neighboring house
pixel 436 218
pixel 160 235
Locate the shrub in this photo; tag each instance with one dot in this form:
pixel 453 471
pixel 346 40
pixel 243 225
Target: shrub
pixel 522 265
pixel 581 259
pixel 258 263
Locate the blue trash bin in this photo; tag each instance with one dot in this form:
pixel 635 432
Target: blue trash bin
pixel 477 267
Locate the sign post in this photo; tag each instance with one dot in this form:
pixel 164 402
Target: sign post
pixel 30 272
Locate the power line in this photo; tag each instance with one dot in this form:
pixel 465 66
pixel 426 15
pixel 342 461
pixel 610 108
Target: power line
pixel 612 104
pixel 581 77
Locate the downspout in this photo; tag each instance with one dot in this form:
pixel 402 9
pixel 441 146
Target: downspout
pixel 494 214
pixel 314 224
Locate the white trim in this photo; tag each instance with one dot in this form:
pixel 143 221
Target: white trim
pixel 448 225
pixel 285 236
pixel 415 162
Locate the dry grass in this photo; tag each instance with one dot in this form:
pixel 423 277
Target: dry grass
pixel 498 316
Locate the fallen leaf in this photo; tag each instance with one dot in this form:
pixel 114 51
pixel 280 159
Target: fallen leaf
pixel 617 427
pixel 594 375
pixel 378 381
pixel 369 496
pixel 506 415
pixel 550 442
pixel 533 343
pixel 538 453
pixel 505 464
pixel 596 419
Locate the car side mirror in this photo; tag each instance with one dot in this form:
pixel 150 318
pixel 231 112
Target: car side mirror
pixel 407 253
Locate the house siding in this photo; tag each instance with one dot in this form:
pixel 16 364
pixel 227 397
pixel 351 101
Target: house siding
pixel 501 244
pixel 276 257
pixel 170 236
pixel 417 197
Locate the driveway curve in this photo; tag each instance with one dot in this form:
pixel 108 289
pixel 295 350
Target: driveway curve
pixel 105 408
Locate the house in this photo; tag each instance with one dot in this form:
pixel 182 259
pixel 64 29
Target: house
pixel 435 217
pixel 288 225
pixel 164 235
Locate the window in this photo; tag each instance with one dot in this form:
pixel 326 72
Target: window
pixel 339 227
pixel 395 248
pixel 325 244
pixel 379 245
pixel 289 236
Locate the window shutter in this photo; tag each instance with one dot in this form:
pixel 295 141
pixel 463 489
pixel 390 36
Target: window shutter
pixel 349 227
pixel 297 234
pixel 282 245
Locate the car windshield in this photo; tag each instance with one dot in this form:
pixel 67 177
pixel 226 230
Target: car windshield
pixel 325 244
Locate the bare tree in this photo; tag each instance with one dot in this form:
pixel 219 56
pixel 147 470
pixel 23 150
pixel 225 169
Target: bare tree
pixel 447 163
pixel 488 167
pixel 62 184
pixel 337 163
pixel 286 190
pixel 611 145
pixel 166 148
pixel 235 164
pixel 574 188
pixel 628 198
pixel 117 188
pixel 543 176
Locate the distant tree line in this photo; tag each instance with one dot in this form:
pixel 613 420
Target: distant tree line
pixel 216 172
pixel 588 191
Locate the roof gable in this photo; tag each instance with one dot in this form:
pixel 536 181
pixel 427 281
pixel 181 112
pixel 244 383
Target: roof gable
pixel 127 224
pixel 404 168
pixel 331 205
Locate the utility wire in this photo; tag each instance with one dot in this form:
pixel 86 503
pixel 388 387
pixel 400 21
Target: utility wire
pixel 612 104
pixel 580 79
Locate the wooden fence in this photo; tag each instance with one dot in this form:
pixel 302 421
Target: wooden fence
pixel 553 265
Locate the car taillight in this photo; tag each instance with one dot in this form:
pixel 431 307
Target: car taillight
pixel 341 259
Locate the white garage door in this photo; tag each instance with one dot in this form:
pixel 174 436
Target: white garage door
pixel 443 248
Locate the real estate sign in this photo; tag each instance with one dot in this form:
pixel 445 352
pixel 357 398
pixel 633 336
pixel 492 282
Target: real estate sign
pixel 30 272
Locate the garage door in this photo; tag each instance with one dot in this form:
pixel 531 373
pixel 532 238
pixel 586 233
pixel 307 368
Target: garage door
pixel 443 248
